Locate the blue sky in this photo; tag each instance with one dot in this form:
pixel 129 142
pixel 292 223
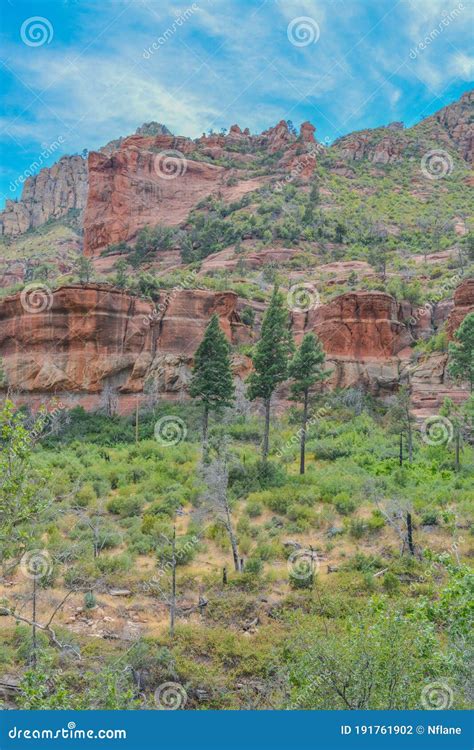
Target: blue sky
pixel 84 75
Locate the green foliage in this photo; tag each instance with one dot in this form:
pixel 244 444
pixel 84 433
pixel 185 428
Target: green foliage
pixel 461 351
pixel 374 662
pixel 307 366
pixel 211 381
pixel 23 492
pixel 270 359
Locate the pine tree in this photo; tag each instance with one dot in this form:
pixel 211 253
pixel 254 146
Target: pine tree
pixel 306 368
pixel 461 351
pixel 270 360
pixel 212 381
pixel 84 269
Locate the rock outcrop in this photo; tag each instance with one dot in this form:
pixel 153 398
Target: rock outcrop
pixel 360 325
pixel 50 194
pixel 457 120
pixel 463 305
pixel 149 181
pixel 86 342
pixel 84 339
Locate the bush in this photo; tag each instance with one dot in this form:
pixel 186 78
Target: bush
pixel 116 564
pixel 298 582
pixel 248 316
pixel 376 521
pixel 85 495
pixel 344 504
pixel 357 528
pixel 254 508
pixel 89 600
pixel 125 506
pixel 391 583
pixel 253 566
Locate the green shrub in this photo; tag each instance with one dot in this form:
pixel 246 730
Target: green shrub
pixel 125 506
pixel 357 528
pixel 391 583
pixel 85 495
pixel 89 600
pixel 344 504
pixel 253 566
pixel 298 582
pixel 254 508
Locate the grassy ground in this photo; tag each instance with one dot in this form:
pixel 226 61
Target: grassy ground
pixel 286 629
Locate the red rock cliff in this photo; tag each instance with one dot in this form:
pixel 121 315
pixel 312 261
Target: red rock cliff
pixel 79 339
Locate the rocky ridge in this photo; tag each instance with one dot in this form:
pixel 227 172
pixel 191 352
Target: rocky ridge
pixel 50 194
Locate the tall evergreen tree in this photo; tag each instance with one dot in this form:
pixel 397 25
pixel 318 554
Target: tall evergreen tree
pixel 270 359
pixel 212 381
pixel 461 351
pixel 306 368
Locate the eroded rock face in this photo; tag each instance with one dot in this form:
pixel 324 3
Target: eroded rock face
pixel 132 188
pixel 457 120
pixel 50 194
pixel 358 325
pixel 463 305
pixel 367 144
pixel 82 339
pixel 148 181
pixel 84 342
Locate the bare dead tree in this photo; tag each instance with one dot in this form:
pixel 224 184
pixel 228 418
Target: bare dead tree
pixel 46 627
pixel 109 400
pixel 216 502
pixel 397 514
pixel 95 523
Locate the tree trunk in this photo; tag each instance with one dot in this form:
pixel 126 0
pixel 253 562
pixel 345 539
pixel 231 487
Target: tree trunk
pixel 235 551
pixel 232 537
pixel 410 534
pixel 205 426
pixel 35 644
pixel 303 432
pixel 136 421
pixel 173 585
pixel 457 462
pixel 400 460
pixel 410 441
pixel 266 434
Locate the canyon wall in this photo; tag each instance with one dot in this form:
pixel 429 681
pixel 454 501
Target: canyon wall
pixel 81 342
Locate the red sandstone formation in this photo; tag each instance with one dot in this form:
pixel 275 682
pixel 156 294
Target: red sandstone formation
pixel 132 188
pixel 149 181
pixel 463 305
pixel 82 339
pixel 360 325
pixel 79 339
